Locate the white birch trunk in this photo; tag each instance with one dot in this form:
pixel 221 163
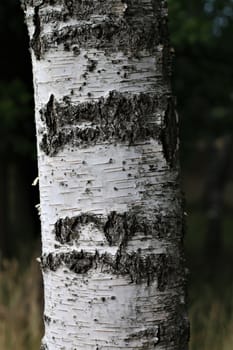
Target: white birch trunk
pixel 111 207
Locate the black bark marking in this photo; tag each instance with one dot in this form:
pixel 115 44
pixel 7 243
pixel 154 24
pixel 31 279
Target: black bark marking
pixel 169 134
pixel 78 262
pixel 163 271
pixel 137 267
pixel 131 29
pixel 124 118
pixel 44 347
pixel 68 230
pixel 92 64
pixel 50 116
pixel 176 330
pixel 47 319
pixel 111 35
pixel 119 228
pixel 149 337
pixel 36 39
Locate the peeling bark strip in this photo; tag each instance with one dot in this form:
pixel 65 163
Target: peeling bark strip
pixel 120 117
pixel 139 268
pixel 113 25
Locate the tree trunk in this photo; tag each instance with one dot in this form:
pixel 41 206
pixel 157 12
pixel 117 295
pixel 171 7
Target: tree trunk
pixel 219 172
pixel 111 207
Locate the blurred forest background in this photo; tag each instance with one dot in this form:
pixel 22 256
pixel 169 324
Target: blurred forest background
pixel 201 34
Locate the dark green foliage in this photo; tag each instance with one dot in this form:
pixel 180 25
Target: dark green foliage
pixel 16 99
pixel 15 60
pixel 17 127
pixel 17 134
pixel 201 32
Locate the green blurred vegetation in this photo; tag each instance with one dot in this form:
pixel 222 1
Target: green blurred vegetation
pixel 201 33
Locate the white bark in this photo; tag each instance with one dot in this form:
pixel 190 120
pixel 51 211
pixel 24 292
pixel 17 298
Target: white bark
pixel 105 288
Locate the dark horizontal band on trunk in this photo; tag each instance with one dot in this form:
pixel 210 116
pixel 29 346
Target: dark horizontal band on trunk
pixel 116 25
pixel 85 9
pixel 120 118
pixel 119 229
pixel 138 268
pixel 110 35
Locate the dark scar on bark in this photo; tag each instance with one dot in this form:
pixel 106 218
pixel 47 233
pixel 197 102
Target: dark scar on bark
pixel 36 39
pixel 116 31
pixel 169 133
pixel 126 118
pixel 44 347
pixel 47 319
pixel 137 267
pixel 67 230
pixel 176 329
pixel 149 336
pixel 50 116
pixel 117 228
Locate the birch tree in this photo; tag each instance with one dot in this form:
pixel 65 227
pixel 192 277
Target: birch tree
pixel 111 206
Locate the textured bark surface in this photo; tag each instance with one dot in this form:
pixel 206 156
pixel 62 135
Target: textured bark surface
pixel 111 207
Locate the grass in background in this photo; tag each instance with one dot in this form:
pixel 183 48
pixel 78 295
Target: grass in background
pixel 211 320
pixel 20 306
pixel 210 287
pixel 210 307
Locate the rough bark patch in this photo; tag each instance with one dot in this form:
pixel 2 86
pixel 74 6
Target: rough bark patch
pixel 35 42
pixel 125 118
pixel 137 267
pixel 149 337
pixel 176 329
pixel 47 319
pixel 44 347
pixel 119 228
pixel 113 26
